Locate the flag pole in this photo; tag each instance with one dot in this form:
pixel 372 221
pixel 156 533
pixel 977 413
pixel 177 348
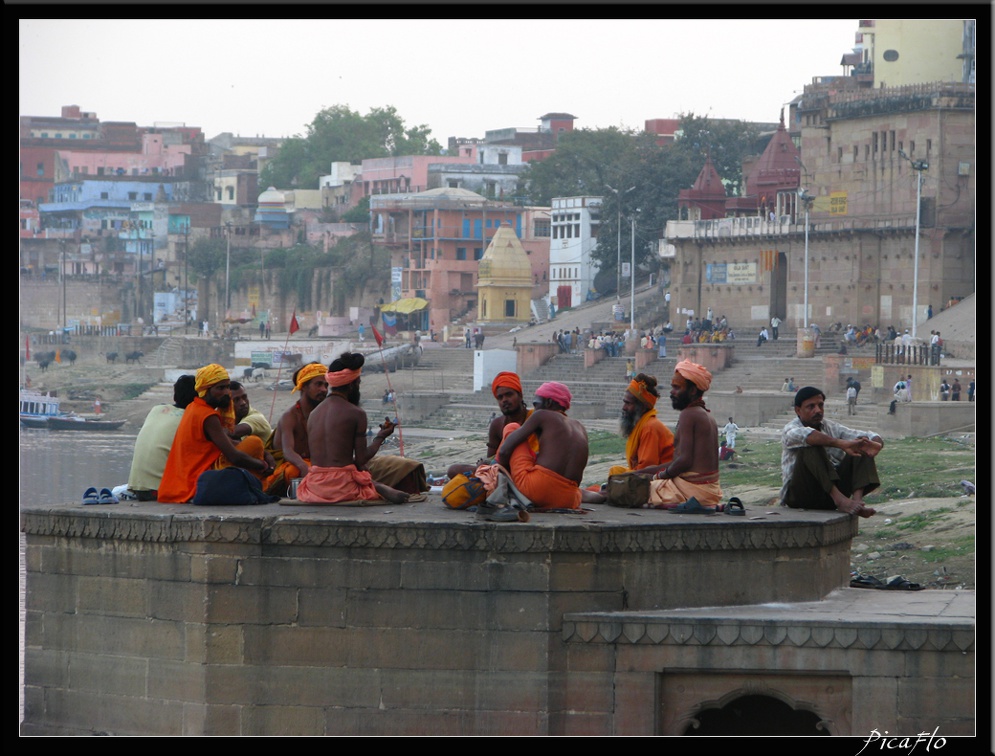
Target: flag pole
pixel 386 372
pixel 294 328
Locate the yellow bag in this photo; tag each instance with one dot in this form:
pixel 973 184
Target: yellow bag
pixel 463 492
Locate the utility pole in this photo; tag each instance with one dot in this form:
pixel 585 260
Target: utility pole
pixel 805 197
pixel 632 277
pixel 918 166
pixel 186 279
pixel 618 241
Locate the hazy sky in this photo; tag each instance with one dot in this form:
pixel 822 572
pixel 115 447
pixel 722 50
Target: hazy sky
pixel 458 77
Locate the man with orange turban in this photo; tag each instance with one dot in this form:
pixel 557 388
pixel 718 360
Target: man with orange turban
pixel 202 442
pixel 649 443
pixel 507 389
pixel 690 483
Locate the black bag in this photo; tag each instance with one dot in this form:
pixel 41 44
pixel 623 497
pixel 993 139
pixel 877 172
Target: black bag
pixel 231 486
pixel 628 490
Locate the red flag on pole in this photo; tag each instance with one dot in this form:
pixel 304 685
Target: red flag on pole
pixel 377 336
pixel 294 325
pixel 27 347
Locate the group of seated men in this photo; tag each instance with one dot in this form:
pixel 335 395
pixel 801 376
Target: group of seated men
pixel 322 441
pixel 211 425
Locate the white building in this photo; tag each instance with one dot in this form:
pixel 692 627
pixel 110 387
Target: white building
pixel 575 222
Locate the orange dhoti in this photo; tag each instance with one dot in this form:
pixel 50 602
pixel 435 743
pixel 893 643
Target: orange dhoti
pixel 668 493
pixel 336 485
pixel 545 488
pixel 278 483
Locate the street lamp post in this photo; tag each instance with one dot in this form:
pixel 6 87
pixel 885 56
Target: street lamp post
pixel 632 278
pixel 918 166
pixel 186 279
pixel 618 242
pixel 805 197
pixel 227 268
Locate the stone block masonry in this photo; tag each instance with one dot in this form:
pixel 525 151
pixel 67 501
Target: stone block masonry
pixel 402 620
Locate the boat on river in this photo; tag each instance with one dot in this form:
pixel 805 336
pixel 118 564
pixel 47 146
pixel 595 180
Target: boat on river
pixel 41 411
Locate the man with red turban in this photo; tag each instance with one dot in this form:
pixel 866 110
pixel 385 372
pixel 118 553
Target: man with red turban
pixel 691 481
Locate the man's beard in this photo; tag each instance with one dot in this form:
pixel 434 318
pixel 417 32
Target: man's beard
pixel 680 402
pixel 222 403
pixel 511 411
pixel 353 396
pixel 628 421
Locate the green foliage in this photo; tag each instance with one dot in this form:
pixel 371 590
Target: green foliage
pixel 589 161
pixel 358 214
pixel 603 443
pixel 207 257
pixel 340 134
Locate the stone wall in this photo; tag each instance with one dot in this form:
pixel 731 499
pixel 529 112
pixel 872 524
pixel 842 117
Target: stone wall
pixel 155 619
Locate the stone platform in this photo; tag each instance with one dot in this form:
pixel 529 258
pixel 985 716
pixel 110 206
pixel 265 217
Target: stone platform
pixel 148 618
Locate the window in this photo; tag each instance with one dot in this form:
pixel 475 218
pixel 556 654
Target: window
pixel 510 308
pixel 103 195
pixel 478 252
pixel 132 195
pixel 503 158
pixel 542 228
pixel 41 169
pixel 231 192
pixel 892 141
pixel 874 143
pixel 461 253
pixel 147 196
pixel 929 146
pixel 72 136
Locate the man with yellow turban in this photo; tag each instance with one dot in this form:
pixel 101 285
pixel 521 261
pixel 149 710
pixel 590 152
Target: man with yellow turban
pixel 649 443
pixel 289 441
pixel 202 442
pixel 690 483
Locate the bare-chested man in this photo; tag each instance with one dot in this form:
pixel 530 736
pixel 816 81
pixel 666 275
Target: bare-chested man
pixel 289 440
pixel 694 472
pixel 337 440
pixel 551 478
pixel 507 390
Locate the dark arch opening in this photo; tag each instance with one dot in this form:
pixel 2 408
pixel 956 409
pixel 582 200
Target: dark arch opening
pixel 756 715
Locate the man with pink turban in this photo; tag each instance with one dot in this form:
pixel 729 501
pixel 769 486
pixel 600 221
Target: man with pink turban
pixel 550 478
pixel 690 483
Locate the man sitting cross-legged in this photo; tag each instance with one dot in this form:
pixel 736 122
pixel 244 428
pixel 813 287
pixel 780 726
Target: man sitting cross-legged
pixel 507 390
pixel 289 441
pixel 337 440
pixel 694 473
pixel 649 443
pixel 202 440
pixel 550 479
pixel 155 439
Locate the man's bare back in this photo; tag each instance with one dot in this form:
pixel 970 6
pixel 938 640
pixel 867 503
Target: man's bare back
pixel 337 434
pixel 563 446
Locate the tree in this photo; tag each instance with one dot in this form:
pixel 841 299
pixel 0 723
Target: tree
pixel 584 161
pixel 340 134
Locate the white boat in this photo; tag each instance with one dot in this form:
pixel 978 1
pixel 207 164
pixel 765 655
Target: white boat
pixel 35 408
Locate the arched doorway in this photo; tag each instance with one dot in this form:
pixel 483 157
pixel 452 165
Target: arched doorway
pixel 756 715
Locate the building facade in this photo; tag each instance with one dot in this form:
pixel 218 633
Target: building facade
pixel 862 155
pixel 574 237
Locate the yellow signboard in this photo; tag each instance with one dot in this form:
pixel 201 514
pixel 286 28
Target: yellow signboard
pixel 837 203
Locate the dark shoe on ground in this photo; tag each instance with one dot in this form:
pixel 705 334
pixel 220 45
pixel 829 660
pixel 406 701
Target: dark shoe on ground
pixel 692 506
pixel 735 507
pixel 90 496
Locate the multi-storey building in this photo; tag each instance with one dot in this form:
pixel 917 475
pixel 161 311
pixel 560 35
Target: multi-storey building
pixel 437 238
pixel 574 237
pixel 863 153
